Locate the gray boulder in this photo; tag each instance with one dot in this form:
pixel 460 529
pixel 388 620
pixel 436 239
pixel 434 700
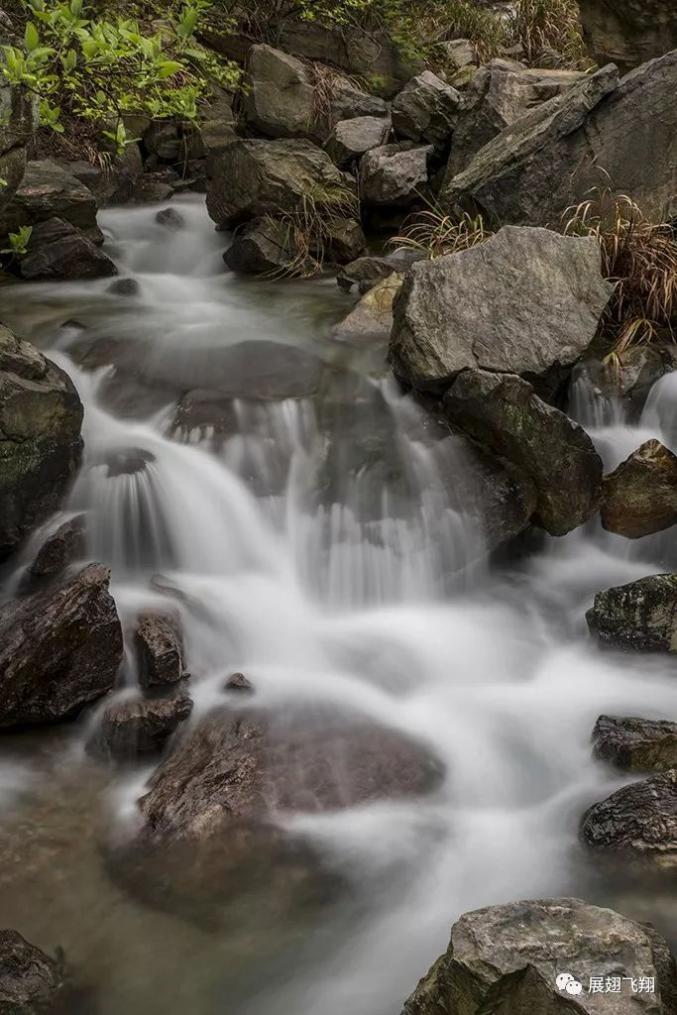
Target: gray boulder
pixel 636 744
pixel 372 318
pixel 641 615
pixel 254 178
pixel 114 184
pixel 132 729
pixel 629 32
pixel 426 110
pixel 159 648
pixel 551 157
pixel 29 980
pixel 394 174
pixel 526 301
pixel 48 191
pixel 503 413
pixel 60 649
pixel 264 246
pixel 40 443
pixel 504 960
pixel 280 97
pixel 639 821
pixel 59 251
pixel 640 496
pixel 350 139
pixel 347 101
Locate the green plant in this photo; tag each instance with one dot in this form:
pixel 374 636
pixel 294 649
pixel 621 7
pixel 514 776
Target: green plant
pixel 434 233
pixel 18 242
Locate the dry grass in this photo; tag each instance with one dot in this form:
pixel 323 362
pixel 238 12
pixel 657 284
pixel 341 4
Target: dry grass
pixel 311 232
pixel 549 32
pixel 435 233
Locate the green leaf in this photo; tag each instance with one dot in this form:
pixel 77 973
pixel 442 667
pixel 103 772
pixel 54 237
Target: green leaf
pixel 31 37
pixel 168 68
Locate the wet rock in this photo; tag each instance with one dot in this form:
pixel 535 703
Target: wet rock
pixel 59 251
pixel 239 683
pixel 639 821
pixel 62 548
pixel 280 98
pixel 159 648
pixel 640 497
pixel 629 33
pixel 631 375
pixel 636 744
pixel 49 191
pixel 205 411
pixel 253 178
pixel 502 412
pixel 171 218
pixel 40 443
pixel 59 650
pixel 366 271
pixel 372 318
pixel 505 960
pixel 134 728
pixel 526 301
pixel 350 139
pixel 265 246
pixel 29 979
pixel 154 187
pixel 641 615
pixel 426 110
pixel 126 461
pixel 394 174
pixel 124 287
pixel 266 371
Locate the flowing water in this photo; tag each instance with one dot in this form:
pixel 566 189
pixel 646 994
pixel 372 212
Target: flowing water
pixel 323 545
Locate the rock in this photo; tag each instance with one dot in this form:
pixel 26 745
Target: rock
pixel 347 101
pixel 49 191
pixel 640 497
pixel 394 174
pixel 631 375
pixel 134 728
pixel 126 461
pixel 426 110
pixel 526 301
pixel 124 287
pixel 641 615
pixel 636 744
pixel 631 32
pixel 207 412
pixel 40 443
pixel 264 246
pixel 239 683
pixel 18 120
pixel 371 320
pixel 253 178
pixel 29 980
pixel 344 241
pixel 171 218
pixel 263 371
pixel 62 548
pixel 114 184
pixel 501 93
pixel 549 159
pixel 159 647
pixel 505 960
pixel 155 187
pixel 503 413
pixel 163 140
pixel 280 98
pixel 59 251
pixel 459 53
pixel 366 271
pixel 60 649
pixel 350 139
pixel 639 820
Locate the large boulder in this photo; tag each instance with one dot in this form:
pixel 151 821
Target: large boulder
pixel 641 615
pixel 18 118
pixel 280 97
pixel 59 251
pixel 262 247
pixel 159 647
pixel 394 175
pixel 48 190
pixel 29 980
pixel 40 443
pixel 350 139
pixel 507 959
pixel 551 157
pixel 504 414
pixel 638 821
pixel 526 301
pixel 426 110
pixel 629 32
pixel 253 178
pixel 131 729
pixel 640 496
pixel 59 649
pixel 636 744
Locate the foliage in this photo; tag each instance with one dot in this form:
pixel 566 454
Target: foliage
pixel 434 233
pixel 99 69
pixel 640 257
pixel 311 230
pixel 18 242
pixel 548 29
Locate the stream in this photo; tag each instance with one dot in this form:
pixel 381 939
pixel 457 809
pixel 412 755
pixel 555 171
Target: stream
pixel 321 545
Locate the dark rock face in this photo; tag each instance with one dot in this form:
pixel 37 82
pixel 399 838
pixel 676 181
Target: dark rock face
pixel 40 444
pixel 639 820
pixel 629 33
pixel 640 497
pixel 18 119
pixel 239 683
pixel 205 410
pixel 160 651
pixel 505 959
pixel 394 174
pixel 280 98
pixel 60 649
pixel 503 413
pixel 49 191
pixel 171 218
pixel 57 250
pixel 29 979
pixel 636 744
pixel 135 728
pixel 426 110
pixel 124 287
pixel 264 246
pixel 641 615
pixel 62 548
pixel 526 301
pixel 350 139
pixel 114 185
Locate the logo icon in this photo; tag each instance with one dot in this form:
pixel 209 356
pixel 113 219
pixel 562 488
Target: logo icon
pixel 566 983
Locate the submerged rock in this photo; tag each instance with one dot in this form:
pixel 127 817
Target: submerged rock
pixel 426 110
pixel 630 32
pixel 59 649
pixel 160 650
pixel 40 443
pixel 506 960
pixel 134 728
pixel 171 218
pixel 636 744
pixel 639 821
pixel 640 496
pixel 239 683
pixel 526 301
pixel 59 251
pixel 29 979
pixel 640 615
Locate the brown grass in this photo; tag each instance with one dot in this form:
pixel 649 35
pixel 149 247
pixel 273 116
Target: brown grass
pixel 549 32
pixel 435 233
